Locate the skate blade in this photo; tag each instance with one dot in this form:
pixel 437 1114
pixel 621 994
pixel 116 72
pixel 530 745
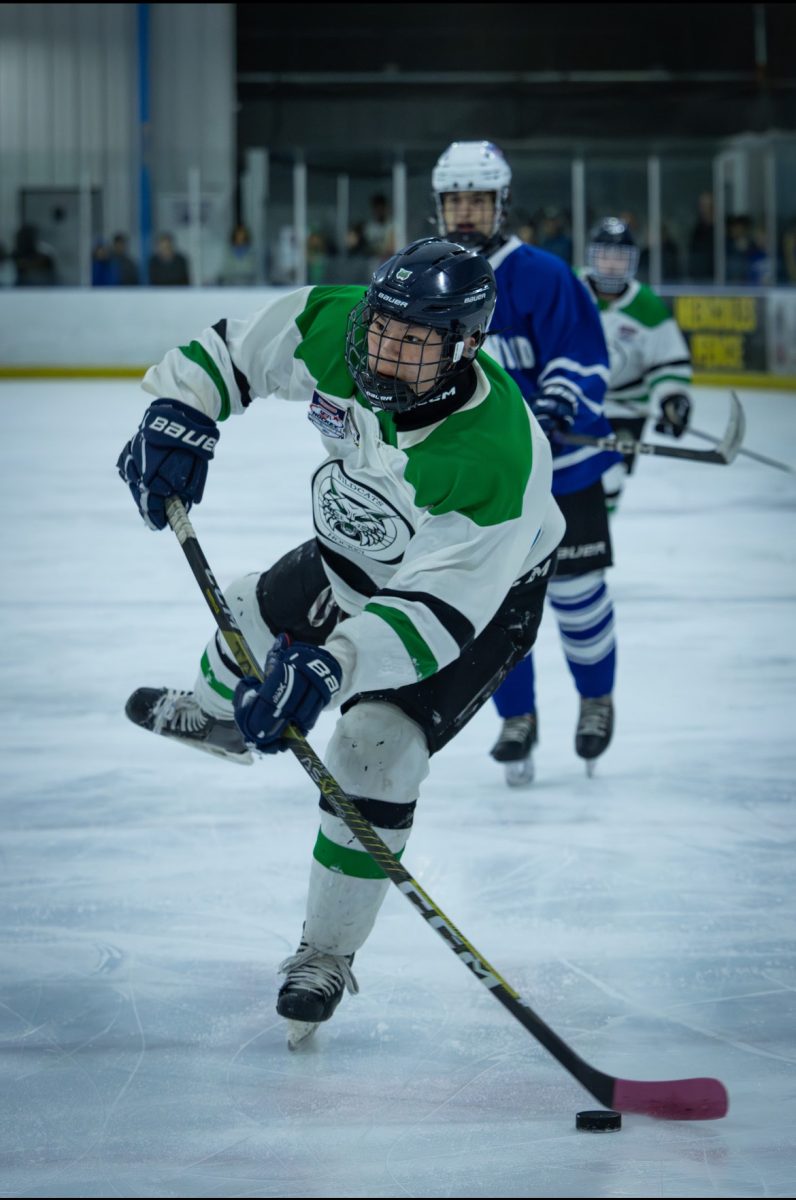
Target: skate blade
pixel 244 760
pixel 519 774
pixel 591 764
pixel 299 1031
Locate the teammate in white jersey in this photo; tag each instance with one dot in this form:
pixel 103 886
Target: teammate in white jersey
pixel 649 356
pixel 547 334
pixel 436 533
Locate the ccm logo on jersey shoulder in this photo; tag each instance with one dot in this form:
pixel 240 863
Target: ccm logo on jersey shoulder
pixel 181 433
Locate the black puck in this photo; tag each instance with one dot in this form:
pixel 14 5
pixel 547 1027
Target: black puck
pixel 598 1120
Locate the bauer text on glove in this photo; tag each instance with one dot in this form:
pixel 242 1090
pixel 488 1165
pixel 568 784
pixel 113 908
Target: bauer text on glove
pixel 299 680
pixel 168 456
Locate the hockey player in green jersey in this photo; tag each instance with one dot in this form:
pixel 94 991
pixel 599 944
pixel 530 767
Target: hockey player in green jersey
pixel 650 363
pixel 436 533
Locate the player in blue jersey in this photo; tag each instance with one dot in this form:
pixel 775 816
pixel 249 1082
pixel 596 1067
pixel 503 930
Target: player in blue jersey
pixel 547 334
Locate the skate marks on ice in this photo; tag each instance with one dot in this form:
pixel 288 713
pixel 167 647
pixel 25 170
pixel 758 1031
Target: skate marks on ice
pixel 147 898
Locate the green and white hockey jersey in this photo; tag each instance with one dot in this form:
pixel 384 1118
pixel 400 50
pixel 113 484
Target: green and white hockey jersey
pixel 649 357
pixel 422 532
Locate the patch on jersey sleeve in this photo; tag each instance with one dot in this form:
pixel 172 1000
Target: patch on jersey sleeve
pixel 328 417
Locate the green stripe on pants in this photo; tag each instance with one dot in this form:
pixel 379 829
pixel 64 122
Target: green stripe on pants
pixel 344 861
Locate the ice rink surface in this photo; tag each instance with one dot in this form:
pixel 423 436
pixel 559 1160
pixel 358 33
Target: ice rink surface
pixel 148 893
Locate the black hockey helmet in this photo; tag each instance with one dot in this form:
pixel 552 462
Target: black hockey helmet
pixel 612 255
pixel 432 283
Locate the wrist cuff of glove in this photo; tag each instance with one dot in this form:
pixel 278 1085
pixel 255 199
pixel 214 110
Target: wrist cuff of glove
pixel 186 410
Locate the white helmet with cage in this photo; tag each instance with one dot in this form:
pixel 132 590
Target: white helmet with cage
pixel 472 167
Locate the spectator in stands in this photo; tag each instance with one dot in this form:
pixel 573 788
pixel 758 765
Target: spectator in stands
pixel 525 228
pixel 319 252
pixel 670 259
pixel 378 230
pixel 355 242
pixel 553 234
pixel 34 266
pixel 746 258
pixel 700 245
pixel 167 267
pixel 124 269
pixel 100 264
pixel 239 268
pixel 111 265
pixel 352 264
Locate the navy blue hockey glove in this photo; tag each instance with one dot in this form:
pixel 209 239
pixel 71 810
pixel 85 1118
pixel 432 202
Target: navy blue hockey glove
pixel 675 411
pixel 555 411
pixel 168 456
pixel 299 681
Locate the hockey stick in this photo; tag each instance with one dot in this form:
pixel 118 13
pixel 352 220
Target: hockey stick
pixel 726 449
pixel 672 1099
pixel 708 437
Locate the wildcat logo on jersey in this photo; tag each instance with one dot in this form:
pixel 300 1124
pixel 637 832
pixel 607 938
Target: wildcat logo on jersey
pixel 357 518
pixel 329 418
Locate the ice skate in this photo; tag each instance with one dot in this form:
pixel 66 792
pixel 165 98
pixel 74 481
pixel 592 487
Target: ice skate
pixel 312 990
pixel 594 729
pixel 514 748
pixel 177 715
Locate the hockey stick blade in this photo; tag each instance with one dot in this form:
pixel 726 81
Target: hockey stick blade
pixel 725 451
pixel 674 1100
pixel 637 411
pixel 699 1099
pixel 761 458
pixel 730 444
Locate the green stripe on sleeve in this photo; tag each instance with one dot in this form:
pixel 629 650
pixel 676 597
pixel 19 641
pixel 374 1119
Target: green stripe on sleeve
pixel 221 688
pixel 418 650
pixel 654 380
pixel 345 861
pixel 197 353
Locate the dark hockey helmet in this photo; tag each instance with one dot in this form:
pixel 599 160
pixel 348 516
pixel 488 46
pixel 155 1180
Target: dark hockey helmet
pixel 434 286
pixel 611 255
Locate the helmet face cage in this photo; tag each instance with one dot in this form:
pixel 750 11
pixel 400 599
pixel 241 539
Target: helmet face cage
pixel 612 256
pixel 369 351
pixel 611 267
pixel 472 167
pixel 476 239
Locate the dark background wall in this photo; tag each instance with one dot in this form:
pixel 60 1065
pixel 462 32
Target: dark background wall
pixel 413 75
